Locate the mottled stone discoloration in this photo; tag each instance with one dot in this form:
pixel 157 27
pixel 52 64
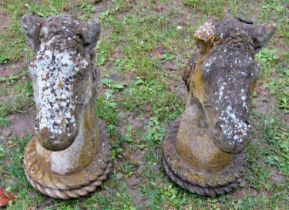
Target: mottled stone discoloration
pixel 63 57
pixel 214 127
pixel 229 70
pixel 67 139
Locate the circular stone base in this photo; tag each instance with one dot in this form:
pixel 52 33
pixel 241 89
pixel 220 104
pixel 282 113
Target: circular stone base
pixel 200 182
pixel 72 185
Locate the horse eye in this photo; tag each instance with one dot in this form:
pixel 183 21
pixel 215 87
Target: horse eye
pixel 41 35
pixel 218 126
pixel 247 21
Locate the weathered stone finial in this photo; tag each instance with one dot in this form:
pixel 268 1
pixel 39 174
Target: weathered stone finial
pixel 68 156
pixel 203 150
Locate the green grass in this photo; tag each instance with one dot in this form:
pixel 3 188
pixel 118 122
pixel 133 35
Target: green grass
pixel 12 43
pixel 20 96
pixel 4 122
pixel 138 41
pixel 275 71
pixel 210 7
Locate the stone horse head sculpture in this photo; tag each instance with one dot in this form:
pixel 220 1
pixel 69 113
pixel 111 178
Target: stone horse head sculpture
pixel 68 156
pixel 203 151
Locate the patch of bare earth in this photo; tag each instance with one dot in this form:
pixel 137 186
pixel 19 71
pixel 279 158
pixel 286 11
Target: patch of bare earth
pixel 243 192
pixel 136 180
pixel 5 19
pixel 265 103
pixel 8 69
pixel 12 69
pixel 22 124
pixel 278 178
pixel 137 197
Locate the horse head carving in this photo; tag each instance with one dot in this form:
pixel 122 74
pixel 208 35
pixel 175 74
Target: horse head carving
pixel 203 150
pixel 67 137
pixel 62 67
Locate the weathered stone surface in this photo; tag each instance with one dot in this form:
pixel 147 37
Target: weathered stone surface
pixel 68 155
pixel 203 150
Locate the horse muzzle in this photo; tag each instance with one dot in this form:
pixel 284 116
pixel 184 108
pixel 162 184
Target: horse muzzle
pixel 232 137
pixel 56 142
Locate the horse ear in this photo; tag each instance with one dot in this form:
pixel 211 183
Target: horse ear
pixel 261 35
pixel 31 26
pixel 207 31
pixel 206 34
pixel 90 33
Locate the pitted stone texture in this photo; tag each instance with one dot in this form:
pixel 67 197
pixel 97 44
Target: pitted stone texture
pixel 64 56
pixel 72 185
pixel 222 76
pixel 200 180
pixel 69 153
pixel 203 151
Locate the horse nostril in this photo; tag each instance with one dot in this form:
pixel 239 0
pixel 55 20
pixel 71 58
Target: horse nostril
pixel 247 123
pixel 218 126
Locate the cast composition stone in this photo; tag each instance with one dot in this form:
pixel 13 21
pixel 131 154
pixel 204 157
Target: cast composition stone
pixel 203 150
pixel 68 155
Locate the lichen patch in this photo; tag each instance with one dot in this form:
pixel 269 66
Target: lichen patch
pixel 53 73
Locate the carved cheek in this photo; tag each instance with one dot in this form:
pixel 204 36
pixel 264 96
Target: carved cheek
pixel 254 77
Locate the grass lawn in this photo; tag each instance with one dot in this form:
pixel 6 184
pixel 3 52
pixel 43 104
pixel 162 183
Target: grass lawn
pixel 143 47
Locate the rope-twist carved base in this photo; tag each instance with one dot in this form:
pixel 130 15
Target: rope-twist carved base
pixel 72 185
pixel 206 184
pixel 68 194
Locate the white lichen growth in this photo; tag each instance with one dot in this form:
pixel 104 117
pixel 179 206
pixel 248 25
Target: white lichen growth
pixel 206 31
pixel 53 74
pixel 234 128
